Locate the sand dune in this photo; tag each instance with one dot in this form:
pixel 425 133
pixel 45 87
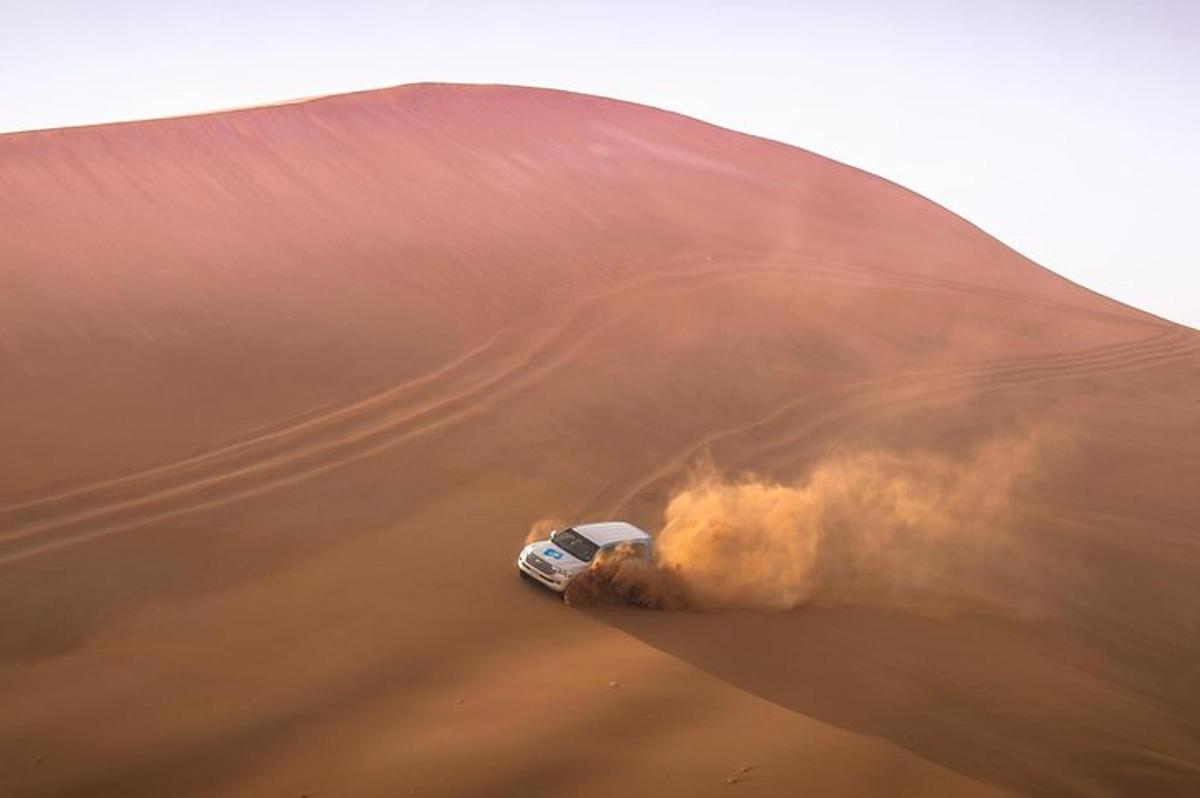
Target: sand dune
pixel 283 389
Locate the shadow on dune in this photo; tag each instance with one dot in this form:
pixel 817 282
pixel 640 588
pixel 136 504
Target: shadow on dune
pixel 1021 704
pixel 937 610
pixel 1010 641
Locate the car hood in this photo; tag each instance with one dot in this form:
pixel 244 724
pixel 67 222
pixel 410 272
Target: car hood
pixel 560 558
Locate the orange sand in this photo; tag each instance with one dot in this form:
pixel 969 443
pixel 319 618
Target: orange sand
pixel 282 389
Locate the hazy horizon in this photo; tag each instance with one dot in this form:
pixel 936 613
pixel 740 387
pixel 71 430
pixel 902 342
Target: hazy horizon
pixel 1064 132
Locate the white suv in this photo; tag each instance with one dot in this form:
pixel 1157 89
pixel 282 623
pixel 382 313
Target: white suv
pixel 554 562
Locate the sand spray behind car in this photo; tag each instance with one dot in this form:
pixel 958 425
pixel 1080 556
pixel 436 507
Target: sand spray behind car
pixel 919 530
pixel 541 529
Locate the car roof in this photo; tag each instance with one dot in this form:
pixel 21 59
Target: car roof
pixel 605 532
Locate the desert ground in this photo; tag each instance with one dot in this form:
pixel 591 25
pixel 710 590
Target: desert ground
pixel 282 391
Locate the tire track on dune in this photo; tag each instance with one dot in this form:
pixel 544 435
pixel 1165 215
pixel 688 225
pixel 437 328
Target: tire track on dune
pixel 901 403
pixel 226 459
pixel 892 278
pixel 1155 350
pixel 927 282
pixel 296 425
pixel 364 427
pixel 380 401
pixel 223 474
pixel 306 421
pixel 917 282
pixel 918 394
pixel 973 383
pixel 680 460
pixel 820 269
pixel 552 352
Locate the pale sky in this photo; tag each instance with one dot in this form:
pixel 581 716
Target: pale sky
pixel 1069 130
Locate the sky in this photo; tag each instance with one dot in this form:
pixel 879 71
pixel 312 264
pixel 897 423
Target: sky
pixel 1069 129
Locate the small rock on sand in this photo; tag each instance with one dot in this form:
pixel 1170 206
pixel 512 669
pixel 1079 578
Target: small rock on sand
pixel 614 683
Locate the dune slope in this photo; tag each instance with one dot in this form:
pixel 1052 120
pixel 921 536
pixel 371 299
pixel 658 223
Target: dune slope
pixel 283 389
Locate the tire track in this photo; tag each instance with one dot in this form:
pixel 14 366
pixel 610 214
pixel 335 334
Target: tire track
pixel 1166 347
pixel 970 381
pixel 892 278
pixel 256 449
pixel 384 420
pixel 303 422
pixel 294 426
pixel 382 402
pixel 552 352
pixel 679 461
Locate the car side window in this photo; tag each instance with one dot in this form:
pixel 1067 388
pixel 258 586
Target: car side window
pixel 628 548
pixel 638 548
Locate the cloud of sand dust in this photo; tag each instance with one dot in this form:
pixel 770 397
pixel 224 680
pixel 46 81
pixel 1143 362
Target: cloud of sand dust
pixel 923 531
pixel 541 529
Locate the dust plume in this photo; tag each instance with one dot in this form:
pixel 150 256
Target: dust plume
pixel 541 529
pixel 921 531
pixel 621 577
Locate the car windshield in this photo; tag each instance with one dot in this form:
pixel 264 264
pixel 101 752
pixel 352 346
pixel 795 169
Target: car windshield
pixel 575 544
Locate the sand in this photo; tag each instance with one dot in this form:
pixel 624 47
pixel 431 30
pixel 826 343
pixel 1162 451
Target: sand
pixel 282 390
